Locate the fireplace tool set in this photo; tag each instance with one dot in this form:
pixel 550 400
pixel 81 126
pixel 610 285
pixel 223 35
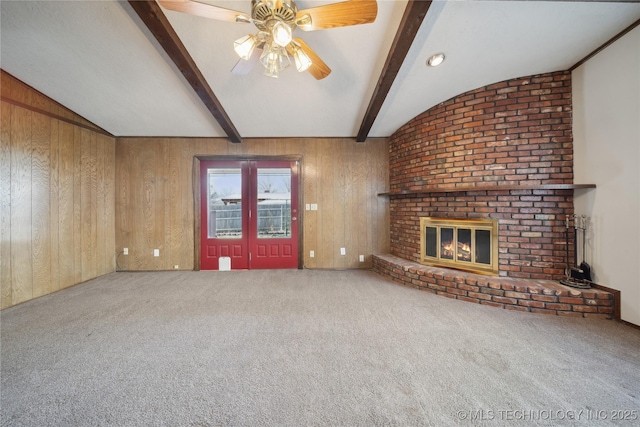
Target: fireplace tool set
pixel 577 275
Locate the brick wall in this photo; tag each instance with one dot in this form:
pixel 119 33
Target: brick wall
pixel 535 296
pixel 516 132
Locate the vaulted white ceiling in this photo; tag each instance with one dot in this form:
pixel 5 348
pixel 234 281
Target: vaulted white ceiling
pixel 100 60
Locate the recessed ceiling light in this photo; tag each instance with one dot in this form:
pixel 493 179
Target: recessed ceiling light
pixel 435 60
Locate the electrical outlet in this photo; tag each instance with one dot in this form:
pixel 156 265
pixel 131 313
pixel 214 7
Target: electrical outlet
pixel 314 207
pixel 125 251
pixel 343 251
pixel 156 252
pixel 312 254
pixel 361 258
pixel 175 267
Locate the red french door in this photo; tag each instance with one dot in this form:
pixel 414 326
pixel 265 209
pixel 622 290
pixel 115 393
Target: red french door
pixel 248 214
pixel 224 191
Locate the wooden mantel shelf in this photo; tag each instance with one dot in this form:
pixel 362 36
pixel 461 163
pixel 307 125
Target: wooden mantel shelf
pixel 485 187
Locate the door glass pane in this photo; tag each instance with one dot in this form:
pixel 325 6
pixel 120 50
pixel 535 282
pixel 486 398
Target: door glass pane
pixel 464 245
pixel 431 245
pixel 483 246
pixel 447 245
pixel 225 203
pixel 274 202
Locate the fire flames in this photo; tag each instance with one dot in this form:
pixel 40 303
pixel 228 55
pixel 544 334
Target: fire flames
pixel 464 251
pixel 447 250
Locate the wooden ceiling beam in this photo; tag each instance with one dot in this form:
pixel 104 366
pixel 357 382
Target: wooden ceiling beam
pixel 155 20
pixel 411 20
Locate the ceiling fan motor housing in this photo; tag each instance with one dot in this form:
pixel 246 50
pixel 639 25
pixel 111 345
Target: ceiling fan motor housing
pixel 264 11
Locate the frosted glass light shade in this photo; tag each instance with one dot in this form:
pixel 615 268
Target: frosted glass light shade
pixel 302 60
pixel 244 46
pixel 281 34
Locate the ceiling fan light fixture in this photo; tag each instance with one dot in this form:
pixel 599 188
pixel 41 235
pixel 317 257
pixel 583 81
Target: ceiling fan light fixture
pixel 276 20
pixel 244 46
pixel 274 59
pixel 281 34
pixel 435 60
pixel 302 60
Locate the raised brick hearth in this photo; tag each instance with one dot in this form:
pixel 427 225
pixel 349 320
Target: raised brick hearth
pixel 451 160
pixel 535 296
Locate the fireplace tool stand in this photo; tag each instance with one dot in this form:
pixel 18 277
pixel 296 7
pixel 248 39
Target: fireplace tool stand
pixel 577 276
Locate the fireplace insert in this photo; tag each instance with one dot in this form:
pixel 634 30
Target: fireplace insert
pixel 464 244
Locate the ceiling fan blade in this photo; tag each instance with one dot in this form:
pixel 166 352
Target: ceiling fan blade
pixel 318 68
pixel 206 10
pixel 243 67
pixel 352 12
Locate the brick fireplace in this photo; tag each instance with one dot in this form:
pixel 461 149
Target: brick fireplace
pixel 501 152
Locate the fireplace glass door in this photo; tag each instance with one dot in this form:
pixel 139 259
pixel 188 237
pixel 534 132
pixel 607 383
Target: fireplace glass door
pixel 466 244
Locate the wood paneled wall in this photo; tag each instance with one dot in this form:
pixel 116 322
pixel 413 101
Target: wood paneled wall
pixel 155 200
pixel 57 196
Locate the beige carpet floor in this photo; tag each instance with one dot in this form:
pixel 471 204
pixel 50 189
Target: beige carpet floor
pixel 304 347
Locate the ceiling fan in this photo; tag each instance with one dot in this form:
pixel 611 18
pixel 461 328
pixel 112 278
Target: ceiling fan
pixel 276 20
